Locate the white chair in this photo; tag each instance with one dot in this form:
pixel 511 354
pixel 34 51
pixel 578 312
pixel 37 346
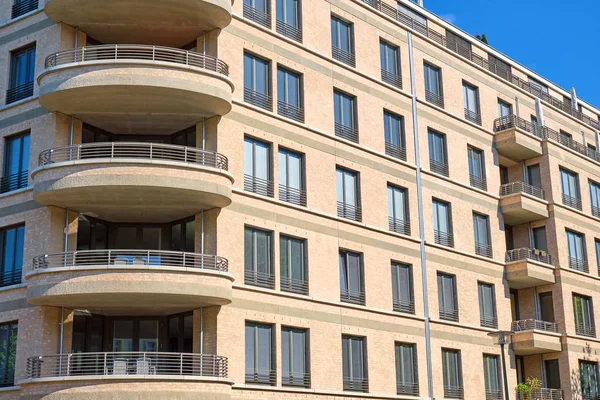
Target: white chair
pixel 144 367
pixel 120 367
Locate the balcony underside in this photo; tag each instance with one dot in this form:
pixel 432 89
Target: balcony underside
pixel 125 97
pixel 168 23
pixel 517 145
pixel 132 191
pixel 520 209
pixel 526 274
pixel 530 342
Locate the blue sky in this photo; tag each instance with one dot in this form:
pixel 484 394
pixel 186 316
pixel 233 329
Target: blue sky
pixel 559 40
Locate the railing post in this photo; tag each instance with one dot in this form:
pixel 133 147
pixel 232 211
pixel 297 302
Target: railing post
pixel 116 51
pixel 105 366
pixel 180 364
pixel 185 157
pixel 79 152
pixel 112 149
pixel 153 53
pixel 151 148
pixel 82 54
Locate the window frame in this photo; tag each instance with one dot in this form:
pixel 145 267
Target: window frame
pixel 272 373
pixel 488 321
pixel 251 277
pixel 301 287
pixel 344 271
pixel 397 291
pixel 445 314
pixel 291 380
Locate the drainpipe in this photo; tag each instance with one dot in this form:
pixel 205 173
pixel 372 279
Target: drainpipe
pixel 62 335
pixel 76 37
pixel 421 221
pixel 201 330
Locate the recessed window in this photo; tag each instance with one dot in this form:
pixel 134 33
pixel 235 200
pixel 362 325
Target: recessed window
pixel 588 376
pixel 471 103
pixel 447 297
pixel 352 286
pixel 390 64
pixel 577 251
pixel 492 377
pixel 258 266
pixel 407 381
pixel 22 73
pixel 257 81
pixel 348 194
pixel 15 174
pixel 487 305
pixel 346 123
pixel 451 365
pixel 260 354
pixel 482 235
pixel 442 223
pixel 584 315
pixel 291 177
pixel 342 41
pixel 289 95
pixel 258 11
pixel 292 260
pixel 477 176
pixel 438 153
pixel 395 143
pixel 288 19
pixel 22 7
pixel 398 217
pixel 402 288
pixel 12 241
pixel 595 198
pixel 354 364
pixel 433 85
pixel 8 353
pixel 504 109
pixel 294 357
pixel 569 183
pixel 258 177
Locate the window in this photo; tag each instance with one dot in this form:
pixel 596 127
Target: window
pixel 504 109
pixel 289 95
pixel 288 19
pixel 292 260
pixel 597 245
pixel 451 364
pixel 540 243
pixel 481 231
pixel 8 353
pixel 487 305
pixel 15 174
pixel 477 168
pixel 402 288
pixel 354 363
pixel 258 11
pixel 595 198
pixel 260 354
pixel 22 7
pixel 294 357
pixel 569 182
pixel 398 210
pixel 348 195
pixel 442 223
pixel 22 72
pixel 535 126
pixel 552 374
pixel 257 81
pixel 577 251
pixel 457 44
pixel 588 375
pixel 433 85
pixel 538 88
pixel 565 138
pixel 342 41
pixel 584 315
pixel 499 67
pixel 291 177
pixel 438 155
pixel 447 300
pixel 395 143
pixel 346 124
pixel 352 288
pixel 12 241
pixel 534 178
pixel 257 167
pixel 407 381
pixel 258 269
pixel 390 64
pixel 412 18
pixel 491 374
pixel 471 103
pixel 546 305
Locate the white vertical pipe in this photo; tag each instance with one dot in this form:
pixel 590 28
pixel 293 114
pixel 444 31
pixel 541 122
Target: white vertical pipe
pixel 62 335
pixel 201 330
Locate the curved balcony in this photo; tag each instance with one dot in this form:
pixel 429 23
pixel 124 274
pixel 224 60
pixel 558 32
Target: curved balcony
pixel 127 374
pixel 127 181
pixel 128 88
pixel 139 282
pixel 169 23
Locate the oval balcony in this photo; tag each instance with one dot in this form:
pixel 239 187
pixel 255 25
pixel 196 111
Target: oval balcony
pixel 127 375
pixel 169 23
pixel 138 282
pixel 128 181
pixel 136 88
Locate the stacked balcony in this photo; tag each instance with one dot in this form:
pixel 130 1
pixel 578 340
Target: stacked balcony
pixel 526 268
pixel 522 203
pixel 535 337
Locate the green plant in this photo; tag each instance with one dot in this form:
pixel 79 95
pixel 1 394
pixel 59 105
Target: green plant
pixel 525 389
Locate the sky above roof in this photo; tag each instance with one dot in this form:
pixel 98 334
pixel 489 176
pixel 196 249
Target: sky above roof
pixel 559 40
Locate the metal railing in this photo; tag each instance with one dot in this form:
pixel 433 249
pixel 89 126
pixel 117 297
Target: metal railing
pixel 494 395
pixel 391 78
pixel 14 181
pixel 584 330
pixel 528 254
pixel 289 31
pixel 23 7
pixel 473 116
pixel 477 181
pixel 449 315
pixel 118 364
pixel 395 151
pixel 297 380
pixel 483 249
pixel 596 211
pixel 258 16
pixel 356 384
pixel 352 296
pixel 262 377
pixel 443 238
pixel 138 52
pixel 542 394
pixel 349 211
pixel 409 389
pixel 290 111
pixel 299 286
pixel 261 279
pixel 512 121
pixel 531 324
pixel 488 322
pixel 404 306
pixel 434 98
pixel 346 132
pixel 399 225
pixel 454 392
pixel 438 167
pixel 130 259
pixel 590 396
pixel 9 278
pixel 258 185
pixel 134 150
pixel 573 202
pixel 343 56
pixel 258 99
pixel 519 187
pixel 19 92
pixel 292 195
pixel 579 264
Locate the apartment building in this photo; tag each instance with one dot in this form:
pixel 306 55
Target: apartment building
pixel 288 199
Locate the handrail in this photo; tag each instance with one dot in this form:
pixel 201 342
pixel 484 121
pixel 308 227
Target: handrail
pixel 531 324
pixel 520 187
pixel 130 259
pixel 528 254
pixel 137 52
pixel 542 394
pixel 118 364
pixel 150 151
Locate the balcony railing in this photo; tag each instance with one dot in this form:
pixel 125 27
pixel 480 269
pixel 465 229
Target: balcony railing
pixel 520 187
pixel 479 182
pixel 533 324
pixel 349 211
pixel 454 392
pixel 261 279
pixel 488 322
pixel 404 306
pixel 391 78
pixel 395 151
pixel 14 181
pixel 290 111
pixel 138 52
pixel 356 384
pixel 434 98
pixel 443 238
pixel 23 7
pixel 297 380
pixel 343 56
pixel 299 286
pixel 352 296
pixel 596 211
pixel 474 117
pixel 409 389
pixel 258 185
pixel 573 202
pixel 483 249
pixel 512 121
pixel 258 16
pixel 134 150
pixel 542 394
pixel 399 225
pixel 19 92
pixel 119 364
pixel 258 99
pixel 130 259
pixel 262 377
pixel 346 132
pixel 292 195
pixel 9 278
pixel 289 31
pixel 579 264
pixel 439 167
pixel 449 315
pixel 494 395
pixel 528 254
pixel 585 330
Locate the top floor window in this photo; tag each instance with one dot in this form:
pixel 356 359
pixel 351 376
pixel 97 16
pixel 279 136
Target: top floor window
pixel 458 45
pixel 499 67
pixel 390 64
pixel 538 88
pixel 288 19
pixel 409 17
pixel 342 41
pixel 22 73
pixel 257 81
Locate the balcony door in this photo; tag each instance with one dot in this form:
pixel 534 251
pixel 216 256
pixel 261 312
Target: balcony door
pixel 546 307
pixel 552 374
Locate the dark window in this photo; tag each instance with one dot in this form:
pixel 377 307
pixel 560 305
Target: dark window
pixel 499 67
pixel 402 288
pixel 292 260
pixel 260 354
pixel 481 231
pixel 21 7
pixel 442 223
pixel 438 154
pixel 546 307
pixel 409 17
pixel 597 244
pixel 588 375
pixel 258 177
pixel 407 381
pixel 595 198
pixel 12 240
pixel 289 19
pixel 504 109
pixel 258 268
pixel 471 103
pixel 398 216
pixel 448 303
pixel 16 163
pixel 584 315
pixel 491 374
pixel 289 95
pixel 352 287
pixel 538 88
pixel 552 374
pixel 294 357
pixel 477 176
pixel 577 251
pixel 22 73
pixel 433 85
pixel 569 183
pixel 258 11
pixel 180 333
pixel 8 353
pixel 395 143
pixel 346 123
pixel 451 365
pixel 487 305
pixel 257 82
pixel 291 177
pixel 348 194
pixel 390 64
pixel 354 363
pixel 457 44
pixel 534 176
pixel 342 41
